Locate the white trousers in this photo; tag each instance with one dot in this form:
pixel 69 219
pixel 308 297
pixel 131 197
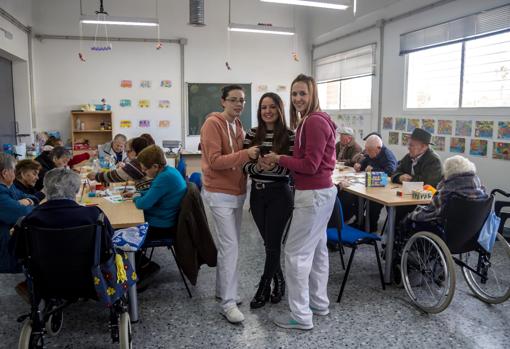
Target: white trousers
pixel 227 213
pixel 306 253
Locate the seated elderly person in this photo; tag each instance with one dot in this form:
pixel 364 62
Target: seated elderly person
pixel 27 175
pixel 58 157
pixel 460 179
pixel 347 150
pixel 114 149
pixel 14 204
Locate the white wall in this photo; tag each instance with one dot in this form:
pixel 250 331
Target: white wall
pixel 63 82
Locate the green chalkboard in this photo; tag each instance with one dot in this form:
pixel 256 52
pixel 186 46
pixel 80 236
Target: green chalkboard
pixel 206 98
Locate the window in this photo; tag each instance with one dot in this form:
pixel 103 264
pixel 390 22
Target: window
pixel 345 79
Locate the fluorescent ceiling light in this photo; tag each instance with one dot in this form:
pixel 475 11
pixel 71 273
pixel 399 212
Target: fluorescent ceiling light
pixel 147 22
pixel 263 29
pixel 323 4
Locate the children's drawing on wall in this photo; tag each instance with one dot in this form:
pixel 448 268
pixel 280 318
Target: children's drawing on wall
pixel 125 103
pixel 429 125
pixel 126 83
pixel 281 88
pixel 457 145
pixel 444 127
pixel 166 83
pixel 262 88
pixel 412 124
pixel 145 83
pixel 439 143
pixel 164 124
pixel 393 138
pixel 125 123
pixel 405 139
pixel 484 129
pixel 463 128
pixel 504 129
pixel 144 123
pixel 478 147
pixel 501 151
pixel 144 103
pixel 164 104
pixel 388 123
pixel 400 124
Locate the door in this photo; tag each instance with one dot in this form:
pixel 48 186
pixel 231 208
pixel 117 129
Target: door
pixel 7 118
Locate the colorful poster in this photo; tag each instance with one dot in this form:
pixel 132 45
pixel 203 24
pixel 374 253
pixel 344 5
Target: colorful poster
pixel 261 88
pixel 463 128
pixel 145 83
pixel 405 139
pixel 164 124
pixel 478 147
pixel 444 127
pixel 144 103
pixel 429 125
pixel 457 145
pixel 412 124
pixel 125 123
pixel 484 129
pixel 393 138
pixel 281 88
pixel 504 129
pixel 126 83
pixel 165 83
pixel 439 143
pixel 125 103
pixel 387 123
pixel 501 151
pixel 164 103
pixel 400 124
pixel 144 123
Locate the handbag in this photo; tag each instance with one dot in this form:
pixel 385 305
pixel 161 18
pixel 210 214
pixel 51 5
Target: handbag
pixel 113 277
pixel 489 231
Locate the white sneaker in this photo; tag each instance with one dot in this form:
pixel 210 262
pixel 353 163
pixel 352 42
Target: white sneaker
pixel 285 321
pixel 233 315
pixel 320 312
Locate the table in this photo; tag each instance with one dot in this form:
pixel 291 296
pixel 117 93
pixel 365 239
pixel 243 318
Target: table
pixel 386 196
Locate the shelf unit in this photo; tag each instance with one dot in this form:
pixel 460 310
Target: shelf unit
pixel 92 132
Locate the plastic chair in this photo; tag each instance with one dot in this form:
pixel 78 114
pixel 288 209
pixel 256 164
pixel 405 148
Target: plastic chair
pixel 498 206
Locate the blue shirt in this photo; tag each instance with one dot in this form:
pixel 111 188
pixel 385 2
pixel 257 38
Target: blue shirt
pixel 385 161
pixel 161 202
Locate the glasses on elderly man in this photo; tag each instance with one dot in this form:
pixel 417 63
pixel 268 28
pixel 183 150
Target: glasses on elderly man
pixel 236 100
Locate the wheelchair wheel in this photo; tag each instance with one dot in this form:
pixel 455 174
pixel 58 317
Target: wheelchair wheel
pixel 125 337
pixel 28 340
pixel 494 287
pixel 54 323
pixel 428 272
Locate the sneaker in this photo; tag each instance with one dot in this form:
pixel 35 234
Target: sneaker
pixel 238 300
pixel 285 321
pixel 233 315
pixel 22 291
pixel 320 312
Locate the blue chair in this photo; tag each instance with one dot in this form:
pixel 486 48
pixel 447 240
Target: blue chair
pixel 347 236
pixel 181 167
pixel 196 177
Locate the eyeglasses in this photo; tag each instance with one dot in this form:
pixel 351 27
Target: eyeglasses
pixel 235 100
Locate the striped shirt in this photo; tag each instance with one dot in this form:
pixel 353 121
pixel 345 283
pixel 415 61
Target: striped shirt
pixel 278 173
pixel 131 171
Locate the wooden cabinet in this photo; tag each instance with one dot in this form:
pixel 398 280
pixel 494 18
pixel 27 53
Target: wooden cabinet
pixel 92 126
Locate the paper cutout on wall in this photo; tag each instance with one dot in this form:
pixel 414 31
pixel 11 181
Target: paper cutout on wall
pixel 412 124
pixel 429 125
pixel 144 123
pixel 501 151
pixel 261 88
pixel 504 129
pixel 439 143
pixel 457 145
pixel 164 124
pixel 484 129
pixel 393 138
pixel 124 103
pixel 126 83
pixel 145 83
pixel 144 103
pixel 281 88
pixel 125 123
pixel 463 128
pixel 387 123
pixel 478 147
pixel 444 127
pixel 165 83
pixel 400 124
pixel 164 103
pixel 405 139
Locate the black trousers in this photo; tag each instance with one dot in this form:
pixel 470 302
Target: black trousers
pixel 271 207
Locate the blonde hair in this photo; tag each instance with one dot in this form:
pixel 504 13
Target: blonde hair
pixel 313 106
pixel 152 155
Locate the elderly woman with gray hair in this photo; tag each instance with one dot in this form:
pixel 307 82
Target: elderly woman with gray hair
pixel 460 179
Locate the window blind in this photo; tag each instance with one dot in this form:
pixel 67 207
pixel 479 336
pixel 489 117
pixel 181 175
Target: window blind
pixel 346 65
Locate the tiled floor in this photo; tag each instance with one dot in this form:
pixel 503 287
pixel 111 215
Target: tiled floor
pixel 367 316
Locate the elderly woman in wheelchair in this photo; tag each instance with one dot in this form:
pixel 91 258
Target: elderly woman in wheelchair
pixel 451 224
pixel 67 254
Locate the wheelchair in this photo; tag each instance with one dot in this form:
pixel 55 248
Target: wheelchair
pixel 57 265
pixel 426 260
